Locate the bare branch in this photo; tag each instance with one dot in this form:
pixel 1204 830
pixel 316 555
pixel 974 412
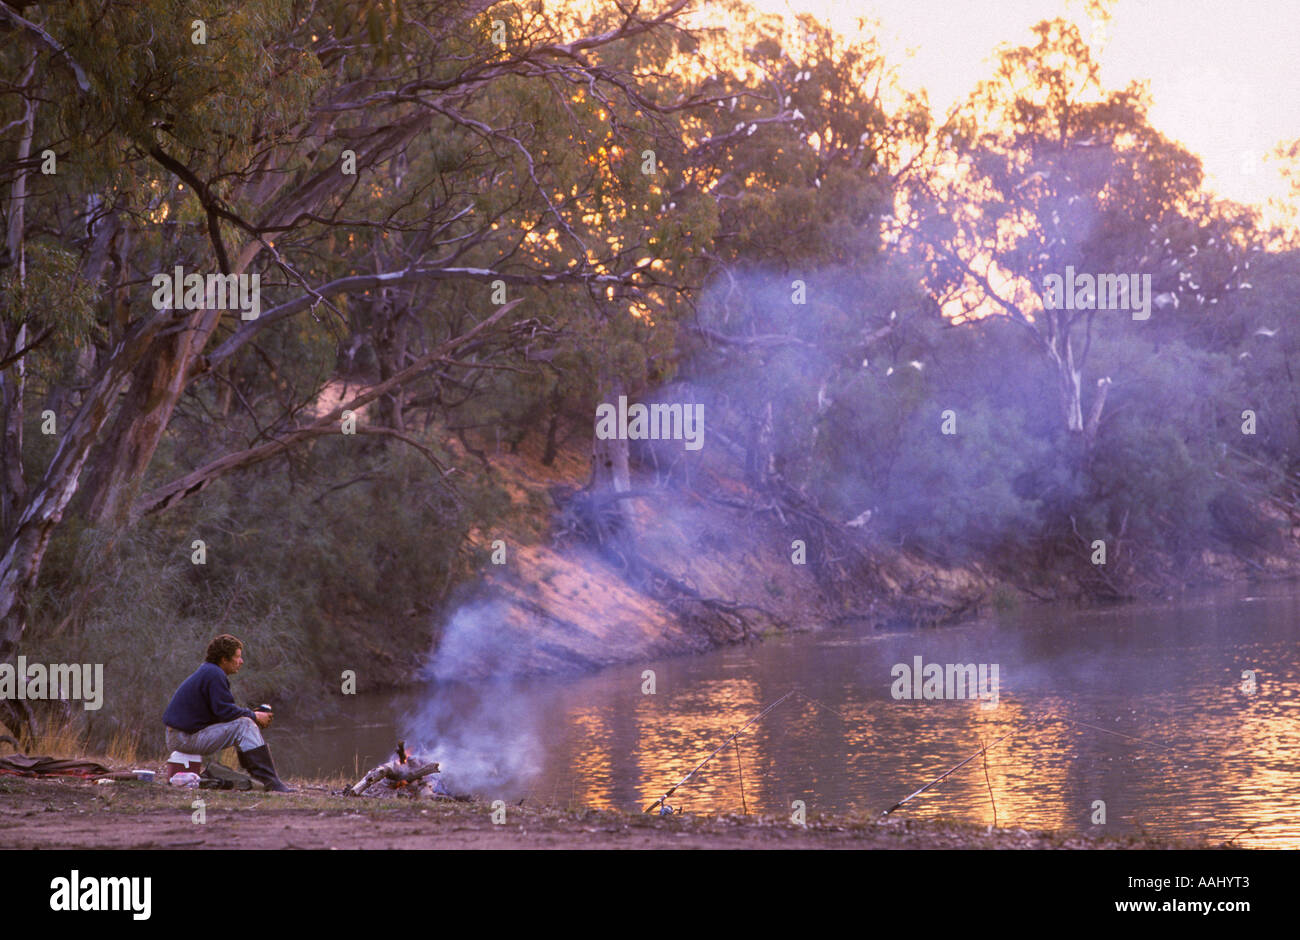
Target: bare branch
pixel 31 28
pixel 198 480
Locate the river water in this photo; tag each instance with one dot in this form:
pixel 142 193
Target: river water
pixel 1142 707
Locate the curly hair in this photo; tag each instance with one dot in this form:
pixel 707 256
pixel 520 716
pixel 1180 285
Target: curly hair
pixel 223 647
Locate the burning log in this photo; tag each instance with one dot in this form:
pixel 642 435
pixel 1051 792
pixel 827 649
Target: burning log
pixel 402 772
pixel 399 773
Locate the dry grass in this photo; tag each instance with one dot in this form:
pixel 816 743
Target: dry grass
pixel 63 737
pixel 66 737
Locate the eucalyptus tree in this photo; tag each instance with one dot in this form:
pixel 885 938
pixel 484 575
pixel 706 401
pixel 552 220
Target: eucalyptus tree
pixel 804 281
pixel 1042 173
pixel 403 178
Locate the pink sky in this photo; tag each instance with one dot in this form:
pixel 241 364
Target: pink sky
pixel 1224 77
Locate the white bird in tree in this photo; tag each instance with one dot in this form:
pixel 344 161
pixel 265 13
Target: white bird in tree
pixel 824 401
pixel 1036 175
pixel 860 520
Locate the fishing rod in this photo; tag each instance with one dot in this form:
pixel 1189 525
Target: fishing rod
pixel 983 750
pixel 1118 734
pixel 908 799
pixel 719 749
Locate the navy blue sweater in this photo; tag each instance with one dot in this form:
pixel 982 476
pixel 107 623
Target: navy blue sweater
pixel 203 699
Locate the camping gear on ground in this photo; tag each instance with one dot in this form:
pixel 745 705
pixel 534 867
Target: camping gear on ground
pixel 185 779
pixel 24 766
pixel 180 762
pixel 217 776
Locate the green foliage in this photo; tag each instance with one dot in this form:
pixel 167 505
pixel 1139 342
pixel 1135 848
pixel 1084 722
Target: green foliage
pixel 125 600
pixel 957 494
pixel 50 297
pixel 1152 468
pixel 534 173
pixel 349 553
pixel 157 85
pixel 1149 476
pixel 1255 328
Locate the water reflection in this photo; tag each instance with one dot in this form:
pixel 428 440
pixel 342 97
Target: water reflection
pixel 1178 747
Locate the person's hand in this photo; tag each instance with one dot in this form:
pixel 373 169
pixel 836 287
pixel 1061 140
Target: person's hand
pixel 262 718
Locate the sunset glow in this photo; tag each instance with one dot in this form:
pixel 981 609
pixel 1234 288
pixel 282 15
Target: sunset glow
pixel 1222 76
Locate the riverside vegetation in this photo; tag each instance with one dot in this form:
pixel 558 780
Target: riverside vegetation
pixel 160 489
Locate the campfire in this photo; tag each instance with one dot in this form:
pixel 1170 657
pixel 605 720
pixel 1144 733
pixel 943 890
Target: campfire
pixel 406 775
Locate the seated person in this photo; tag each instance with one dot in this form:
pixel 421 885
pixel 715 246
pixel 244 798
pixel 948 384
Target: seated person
pixel 202 717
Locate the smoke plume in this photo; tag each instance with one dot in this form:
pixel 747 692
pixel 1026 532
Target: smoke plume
pixel 484 733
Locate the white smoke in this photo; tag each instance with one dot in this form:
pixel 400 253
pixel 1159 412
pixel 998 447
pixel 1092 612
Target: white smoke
pixel 483 733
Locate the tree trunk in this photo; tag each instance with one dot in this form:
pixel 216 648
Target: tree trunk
pixel 25 549
pixel 760 451
pixel 13 487
pixel 136 432
pixel 389 332
pixel 1098 403
pixel 609 458
pixel 552 429
pixel 143 417
pixel 141 420
pixel 1069 384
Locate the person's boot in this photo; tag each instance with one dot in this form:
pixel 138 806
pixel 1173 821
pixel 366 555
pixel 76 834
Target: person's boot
pixel 259 766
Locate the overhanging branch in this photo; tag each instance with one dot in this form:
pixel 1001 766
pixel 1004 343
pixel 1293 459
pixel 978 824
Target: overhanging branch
pixel 365 282
pixel 199 479
pixel 32 29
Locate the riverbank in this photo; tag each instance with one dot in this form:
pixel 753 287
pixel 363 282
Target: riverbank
pixel 548 588
pixel 582 583
pixel 78 814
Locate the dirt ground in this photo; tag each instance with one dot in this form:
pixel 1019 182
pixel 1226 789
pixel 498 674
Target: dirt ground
pixel 78 814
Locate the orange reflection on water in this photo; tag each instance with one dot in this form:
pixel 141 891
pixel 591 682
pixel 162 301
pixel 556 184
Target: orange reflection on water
pixel 593 760
pixel 1259 752
pixel 685 730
